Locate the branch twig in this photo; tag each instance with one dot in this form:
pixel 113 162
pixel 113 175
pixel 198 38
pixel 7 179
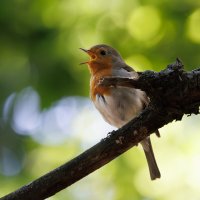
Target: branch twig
pixel 173 93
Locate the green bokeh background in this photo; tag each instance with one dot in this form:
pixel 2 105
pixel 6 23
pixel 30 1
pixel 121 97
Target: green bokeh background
pixel 39 70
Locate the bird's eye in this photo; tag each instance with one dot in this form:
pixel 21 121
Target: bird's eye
pixel 103 52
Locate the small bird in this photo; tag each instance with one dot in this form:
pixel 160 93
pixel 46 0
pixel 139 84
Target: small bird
pixel 117 105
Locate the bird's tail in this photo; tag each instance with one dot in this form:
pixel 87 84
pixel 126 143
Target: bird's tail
pixel 148 150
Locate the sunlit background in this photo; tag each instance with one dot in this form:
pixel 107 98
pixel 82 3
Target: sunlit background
pixel 46 117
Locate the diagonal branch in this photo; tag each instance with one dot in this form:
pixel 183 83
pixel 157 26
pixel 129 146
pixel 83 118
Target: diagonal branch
pixel 173 93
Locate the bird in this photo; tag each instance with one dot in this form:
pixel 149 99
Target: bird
pixel 118 105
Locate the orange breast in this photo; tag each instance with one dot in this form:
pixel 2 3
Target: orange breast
pixel 98 71
pixel 96 89
pixel 99 68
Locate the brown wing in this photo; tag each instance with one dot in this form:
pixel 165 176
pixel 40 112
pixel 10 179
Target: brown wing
pixel 145 99
pixel 128 68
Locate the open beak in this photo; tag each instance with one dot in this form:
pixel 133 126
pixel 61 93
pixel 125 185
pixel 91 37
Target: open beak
pixel 85 50
pixel 90 53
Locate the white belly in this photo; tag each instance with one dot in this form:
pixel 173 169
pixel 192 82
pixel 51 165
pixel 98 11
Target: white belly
pixel 121 106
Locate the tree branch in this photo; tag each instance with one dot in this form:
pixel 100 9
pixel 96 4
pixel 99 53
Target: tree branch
pixel 173 93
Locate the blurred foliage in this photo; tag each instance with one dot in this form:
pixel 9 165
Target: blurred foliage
pixel 42 124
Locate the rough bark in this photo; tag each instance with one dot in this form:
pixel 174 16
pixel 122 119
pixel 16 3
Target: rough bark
pixel 173 93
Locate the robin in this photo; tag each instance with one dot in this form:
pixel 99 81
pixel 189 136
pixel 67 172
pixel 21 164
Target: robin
pixel 117 105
